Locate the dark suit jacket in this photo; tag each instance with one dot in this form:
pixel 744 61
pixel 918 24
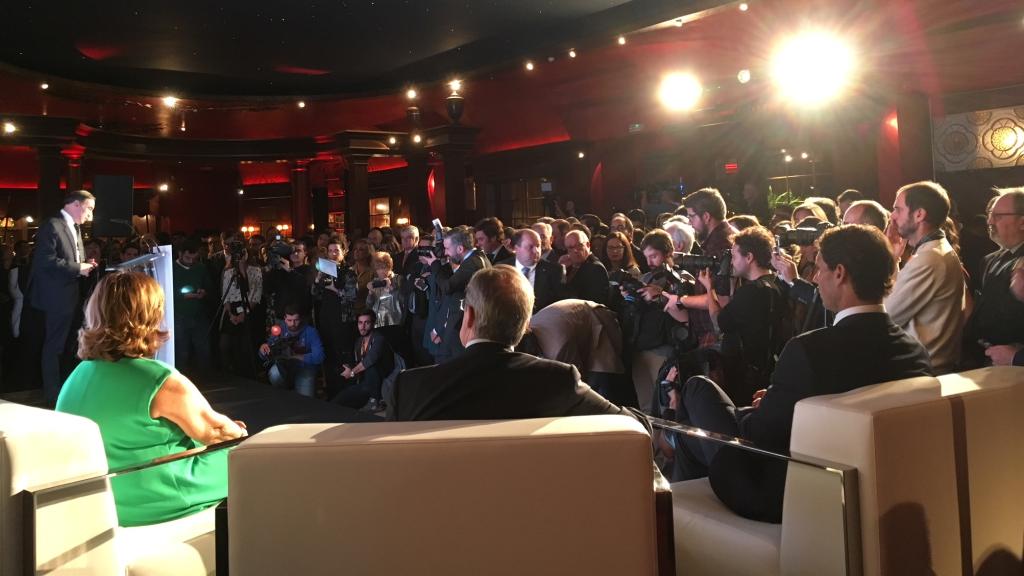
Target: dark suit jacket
pixel 548 282
pixel 54 281
pixel 409 267
pixel 998 316
pixel 452 287
pixel 488 382
pixel 500 256
pixel 590 282
pixel 860 350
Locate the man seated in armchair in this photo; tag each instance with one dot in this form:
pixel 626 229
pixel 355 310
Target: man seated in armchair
pixel 854 272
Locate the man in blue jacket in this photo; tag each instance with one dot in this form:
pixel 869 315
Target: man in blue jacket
pixel 295 352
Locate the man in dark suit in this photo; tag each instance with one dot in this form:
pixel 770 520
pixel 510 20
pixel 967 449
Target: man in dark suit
pixel 854 271
pixel 489 234
pixel 995 332
pixel 490 381
pixel 586 277
pixel 58 263
pixel 545 277
pixel 451 280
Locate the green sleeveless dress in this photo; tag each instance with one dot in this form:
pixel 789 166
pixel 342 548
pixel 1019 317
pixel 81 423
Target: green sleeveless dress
pixel 117 396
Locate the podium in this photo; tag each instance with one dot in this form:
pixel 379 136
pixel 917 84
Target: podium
pixel 159 265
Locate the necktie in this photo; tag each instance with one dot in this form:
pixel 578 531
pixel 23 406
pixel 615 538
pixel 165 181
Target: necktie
pixel 526 272
pixel 79 247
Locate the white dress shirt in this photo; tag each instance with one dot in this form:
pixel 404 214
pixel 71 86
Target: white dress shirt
pixel 529 271
pixel 852 310
pixel 74 232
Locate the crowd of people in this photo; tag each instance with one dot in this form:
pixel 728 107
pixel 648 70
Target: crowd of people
pixel 718 318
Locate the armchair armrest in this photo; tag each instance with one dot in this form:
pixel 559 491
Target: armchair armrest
pixel 36 500
pixel 822 500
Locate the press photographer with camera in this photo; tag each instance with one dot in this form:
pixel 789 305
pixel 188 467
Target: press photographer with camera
pixel 384 292
pixel 450 279
pixel 290 279
pixel 294 353
pixel 808 311
pixel 241 292
pixel 751 322
pixel 646 328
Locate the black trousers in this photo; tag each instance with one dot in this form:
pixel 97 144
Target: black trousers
pixel 705 405
pixel 55 340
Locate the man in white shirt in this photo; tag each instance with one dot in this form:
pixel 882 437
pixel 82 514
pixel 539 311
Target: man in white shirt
pixel 545 277
pixel 928 298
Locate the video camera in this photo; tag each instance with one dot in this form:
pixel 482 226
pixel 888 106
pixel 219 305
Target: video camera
pixel 278 251
pixel 282 348
pixel 235 249
pixel 803 236
pixel 721 264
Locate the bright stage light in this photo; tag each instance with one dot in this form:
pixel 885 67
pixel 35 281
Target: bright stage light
pixel 392 140
pixel 622 40
pixel 170 101
pixel 680 91
pixel 813 68
pixel 163 187
pixel 10 128
pixel 743 76
pixel 411 94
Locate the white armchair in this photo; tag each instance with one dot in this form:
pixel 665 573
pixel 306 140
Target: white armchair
pixel 57 512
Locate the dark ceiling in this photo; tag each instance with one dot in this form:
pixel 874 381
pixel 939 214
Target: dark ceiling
pixel 312 47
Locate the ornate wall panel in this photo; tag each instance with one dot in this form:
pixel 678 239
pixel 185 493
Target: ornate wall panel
pixel 979 140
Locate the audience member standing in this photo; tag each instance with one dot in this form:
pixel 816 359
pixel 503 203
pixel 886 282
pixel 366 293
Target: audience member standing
pixel 451 280
pixel 995 332
pixel 927 300
pixel 705 210
pixel 545 277
pixel 489 234
pixel 191 324
pixel 57 265
pixel 585 277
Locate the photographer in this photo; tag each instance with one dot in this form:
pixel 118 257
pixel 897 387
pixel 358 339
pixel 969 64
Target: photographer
pixel 242 290
pixel 750 322
pixel 384 292
pixel 290 279
pixel 294 352
pixel 335 298
pixel 646 327
pixel 450 280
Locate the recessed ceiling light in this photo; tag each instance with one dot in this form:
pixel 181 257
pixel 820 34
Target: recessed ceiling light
pixel 743 76
pixel 392 140
pixel 163 187
pixel 44 86
pixel 411 94
pixel 10 128
pixel 744 7
pixel 417 138
pixel 572 53
pixel 529 65
pixel 580 154
pixel 301 104
pixel 622 40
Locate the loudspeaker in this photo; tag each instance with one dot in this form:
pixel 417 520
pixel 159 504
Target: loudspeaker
pixel 113 214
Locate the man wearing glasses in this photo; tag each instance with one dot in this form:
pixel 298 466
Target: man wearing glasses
pixel 995 331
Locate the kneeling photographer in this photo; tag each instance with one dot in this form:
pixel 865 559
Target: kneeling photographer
pixel 293 353
pixel 647 330
pixel 750 322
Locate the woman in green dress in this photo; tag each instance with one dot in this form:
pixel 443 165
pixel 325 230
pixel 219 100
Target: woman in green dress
pixel 145 408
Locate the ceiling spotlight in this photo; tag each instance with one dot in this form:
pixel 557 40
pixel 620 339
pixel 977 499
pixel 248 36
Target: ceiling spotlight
pixel 680 91
pixel 170 101
pixel 743 76
pixel 411 94
pixel 803 155
pixel 581 155
pixel 744 7
pixel 529 65
pixel 163 187
pixel 392 140
pixel 301 104
pixel 622 40
pixel 813 68
pixel 241 192
pixel 455 86
pixel 10 128
pixel 572 53
pixel 44 86
pixel 29 219
pixel 788 158
pixel 417 138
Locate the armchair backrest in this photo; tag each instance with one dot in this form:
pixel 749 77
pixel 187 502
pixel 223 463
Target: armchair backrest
pixel 40 447
pixel 554 496
pixel 939 468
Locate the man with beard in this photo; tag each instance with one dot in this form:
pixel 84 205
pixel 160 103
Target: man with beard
pixel 995 332
pixel 374 361
pixel 927 300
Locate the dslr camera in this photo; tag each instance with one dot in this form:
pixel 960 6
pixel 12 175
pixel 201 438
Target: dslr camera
pixel 720 264
pixel 277 252
pixel 803 236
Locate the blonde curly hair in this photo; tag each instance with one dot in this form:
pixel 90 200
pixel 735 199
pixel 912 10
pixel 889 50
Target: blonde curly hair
pixel 122 319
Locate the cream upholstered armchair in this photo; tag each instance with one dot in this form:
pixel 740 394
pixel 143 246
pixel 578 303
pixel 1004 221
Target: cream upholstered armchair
pixel 541 496
pixel 919 476
pixel 57 512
